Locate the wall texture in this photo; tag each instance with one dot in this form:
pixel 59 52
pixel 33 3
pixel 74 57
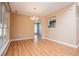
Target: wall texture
pixel 21 27
pixel 65 30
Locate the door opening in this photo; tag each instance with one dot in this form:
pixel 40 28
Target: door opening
pixel 37 32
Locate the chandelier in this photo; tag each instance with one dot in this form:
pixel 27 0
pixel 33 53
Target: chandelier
pixel 34 18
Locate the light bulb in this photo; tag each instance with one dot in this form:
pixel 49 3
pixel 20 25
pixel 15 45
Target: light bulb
pixel 32 18
pixel 36 18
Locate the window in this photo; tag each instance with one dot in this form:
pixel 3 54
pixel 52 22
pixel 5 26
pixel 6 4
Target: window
pixel 3 25
pixel 0 25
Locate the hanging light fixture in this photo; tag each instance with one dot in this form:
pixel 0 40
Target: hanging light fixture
pixel 34 18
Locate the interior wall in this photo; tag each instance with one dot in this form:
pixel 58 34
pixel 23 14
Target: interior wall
pixel 65 30
pixel 23 27
pixel 43 25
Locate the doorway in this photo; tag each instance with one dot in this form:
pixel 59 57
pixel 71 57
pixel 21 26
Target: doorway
pixel 37 31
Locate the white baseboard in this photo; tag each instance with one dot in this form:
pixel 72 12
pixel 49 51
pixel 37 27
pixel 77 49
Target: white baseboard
pixel 5 48
pixel 67 44
pixel 22 39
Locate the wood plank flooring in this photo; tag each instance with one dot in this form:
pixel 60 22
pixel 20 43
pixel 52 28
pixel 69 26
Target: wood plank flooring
pixel 44 48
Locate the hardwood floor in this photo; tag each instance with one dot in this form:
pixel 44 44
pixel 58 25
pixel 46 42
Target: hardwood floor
pixel 44 48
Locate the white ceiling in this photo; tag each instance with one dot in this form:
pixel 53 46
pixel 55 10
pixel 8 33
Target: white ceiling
pixel 42 8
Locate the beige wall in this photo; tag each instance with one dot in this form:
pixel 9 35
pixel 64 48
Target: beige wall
pixel 23 27
pixel 65 30
pixel 43 25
